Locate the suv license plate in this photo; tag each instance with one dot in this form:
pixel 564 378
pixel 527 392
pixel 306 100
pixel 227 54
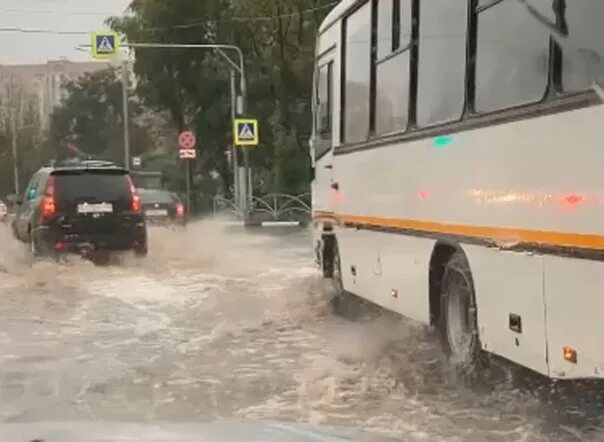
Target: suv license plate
pixel 158 212
pixel 95 208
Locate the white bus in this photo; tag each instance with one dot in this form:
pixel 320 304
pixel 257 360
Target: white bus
pixel 458 155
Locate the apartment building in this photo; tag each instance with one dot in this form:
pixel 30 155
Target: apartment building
pixel 40 87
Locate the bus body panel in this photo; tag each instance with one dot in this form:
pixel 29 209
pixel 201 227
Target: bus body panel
pixel 495 176
pixel 509 285
pixel 575 309
pixel 389 270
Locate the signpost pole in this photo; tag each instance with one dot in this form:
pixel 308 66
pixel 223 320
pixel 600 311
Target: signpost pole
pixel 246 156
pixel 246 186
pixel 188 184
pixel 187 152
pixel 246 136
pixel 234 153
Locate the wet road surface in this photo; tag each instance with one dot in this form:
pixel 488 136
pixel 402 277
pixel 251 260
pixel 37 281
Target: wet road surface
pixel 218 324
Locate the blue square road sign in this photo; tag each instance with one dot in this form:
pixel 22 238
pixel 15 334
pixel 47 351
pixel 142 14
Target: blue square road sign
pixel 245 132
pixel 105 44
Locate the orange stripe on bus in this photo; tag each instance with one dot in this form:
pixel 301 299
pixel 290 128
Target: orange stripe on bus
pixel 565 239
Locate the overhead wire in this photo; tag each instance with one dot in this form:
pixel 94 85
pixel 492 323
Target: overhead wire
pixel 176 26
pixel 54 12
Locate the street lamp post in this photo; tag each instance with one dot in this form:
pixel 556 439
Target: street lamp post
pixel 125 114
pixel 14 148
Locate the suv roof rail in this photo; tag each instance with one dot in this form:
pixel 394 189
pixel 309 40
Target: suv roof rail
pixel 98 163
pixel 77 162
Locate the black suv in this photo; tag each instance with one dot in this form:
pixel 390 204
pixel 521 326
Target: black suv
pixel 81 206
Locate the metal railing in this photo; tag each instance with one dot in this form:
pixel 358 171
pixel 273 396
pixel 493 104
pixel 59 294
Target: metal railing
pixel 273 207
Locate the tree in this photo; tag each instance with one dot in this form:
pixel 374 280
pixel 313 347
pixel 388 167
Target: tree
pixel 277 38
pixel 24 107
pixel 92 117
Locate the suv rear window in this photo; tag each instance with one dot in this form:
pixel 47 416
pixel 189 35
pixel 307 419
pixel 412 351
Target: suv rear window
pixel 154 196
pixel 91 185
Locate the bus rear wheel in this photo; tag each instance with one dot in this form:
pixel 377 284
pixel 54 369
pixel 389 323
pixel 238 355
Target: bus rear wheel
pixel 458 319
pixel 343 303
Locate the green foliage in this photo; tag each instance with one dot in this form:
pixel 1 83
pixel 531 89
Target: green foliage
pixel 31 150
pixel 92 117
pixel 291 164
pixel 277 38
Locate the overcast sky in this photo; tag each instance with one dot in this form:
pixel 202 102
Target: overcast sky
pixel 55 15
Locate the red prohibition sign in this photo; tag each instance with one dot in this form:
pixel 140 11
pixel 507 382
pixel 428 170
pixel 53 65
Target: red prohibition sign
pixel 186 140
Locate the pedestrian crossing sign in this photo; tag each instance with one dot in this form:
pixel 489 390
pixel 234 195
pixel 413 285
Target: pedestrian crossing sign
pixel 245 132
pixel 105 44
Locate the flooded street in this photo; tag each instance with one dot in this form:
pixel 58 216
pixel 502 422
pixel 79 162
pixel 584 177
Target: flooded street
pixel 221 324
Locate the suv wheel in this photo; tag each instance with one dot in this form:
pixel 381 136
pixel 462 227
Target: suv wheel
pixel 141 251
pixel 34 245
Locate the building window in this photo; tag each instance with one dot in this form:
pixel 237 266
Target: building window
pixel 324 109
pixel 357 74
pixel 442 61
pixel 584 21
pixel 512 56
pixel 392 70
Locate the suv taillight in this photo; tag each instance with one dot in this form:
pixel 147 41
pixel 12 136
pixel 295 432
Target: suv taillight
pixel 135 202
pixel 47 205
pixel 180 209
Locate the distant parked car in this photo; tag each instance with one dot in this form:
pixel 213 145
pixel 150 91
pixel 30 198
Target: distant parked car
pixel 162 207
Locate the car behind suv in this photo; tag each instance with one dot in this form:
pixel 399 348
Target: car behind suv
pixel 81 206
pixel 162 207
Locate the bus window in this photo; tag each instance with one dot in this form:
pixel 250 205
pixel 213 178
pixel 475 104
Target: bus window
pixel 512 56
pixel 392 68
pixel 584 20
pixel 324 101
pixel 442 61
pixel 357 74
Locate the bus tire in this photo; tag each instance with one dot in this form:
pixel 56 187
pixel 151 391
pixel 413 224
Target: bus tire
pixel 326 258
pixel 343 303
pixel 458 316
